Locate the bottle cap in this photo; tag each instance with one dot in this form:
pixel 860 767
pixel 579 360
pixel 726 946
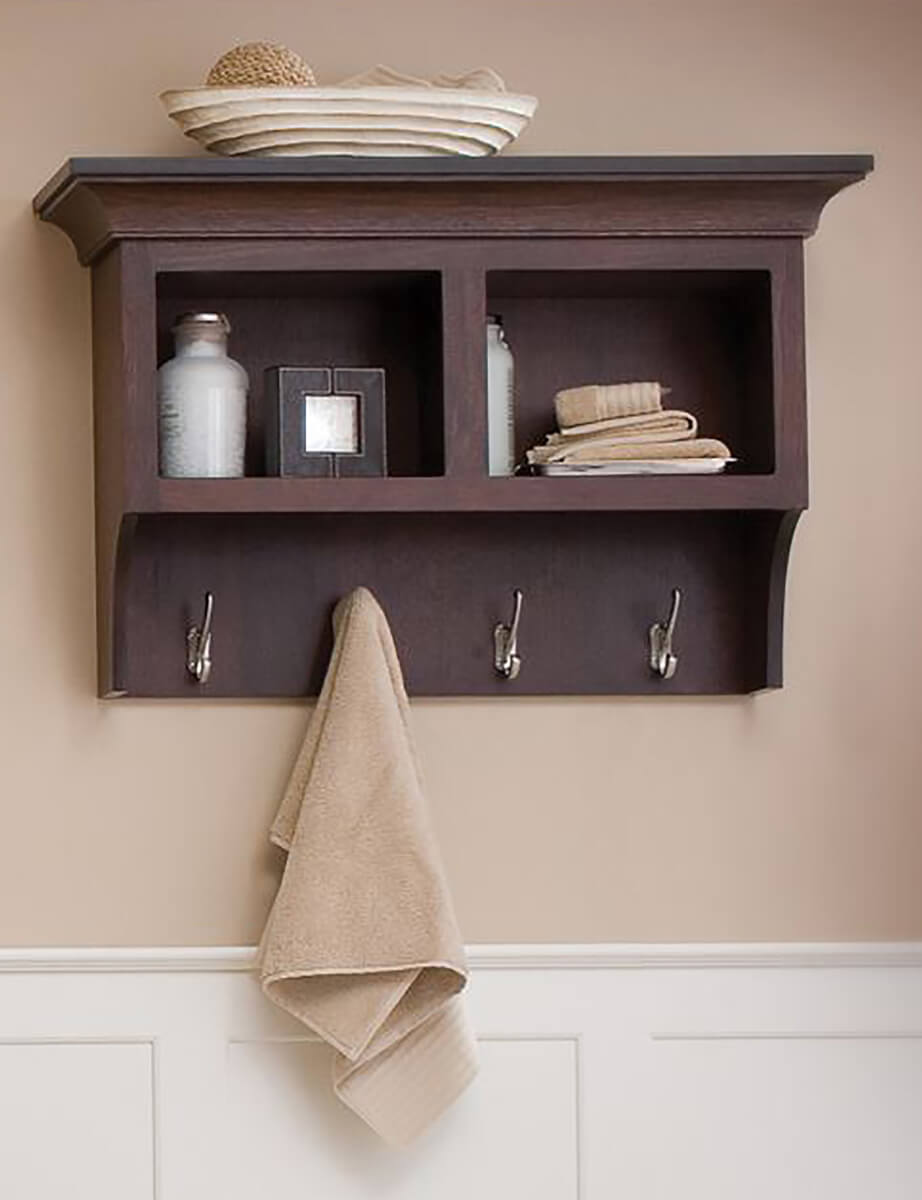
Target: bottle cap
pixel 214 320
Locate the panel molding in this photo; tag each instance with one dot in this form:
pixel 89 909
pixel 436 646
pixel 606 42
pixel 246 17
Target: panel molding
pixel 150 1042
pixel 789 1035
pixel 666 1044
pixel 525 956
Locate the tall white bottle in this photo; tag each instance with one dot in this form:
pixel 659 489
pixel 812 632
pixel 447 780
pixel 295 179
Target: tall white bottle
pixel 500 400
pixel 202 398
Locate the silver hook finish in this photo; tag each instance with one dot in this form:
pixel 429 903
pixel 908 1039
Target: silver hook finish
pixel 198 645
pixel 505 642
pixel 663 660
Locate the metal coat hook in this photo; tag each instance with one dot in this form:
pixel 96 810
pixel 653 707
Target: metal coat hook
pixel 505 642
pixel 663 660
pixel 198 644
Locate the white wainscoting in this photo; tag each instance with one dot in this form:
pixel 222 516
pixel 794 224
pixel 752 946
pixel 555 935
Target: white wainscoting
pixel 643 1072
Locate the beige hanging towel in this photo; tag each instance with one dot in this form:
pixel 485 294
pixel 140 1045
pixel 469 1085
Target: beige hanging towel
pixel 362 945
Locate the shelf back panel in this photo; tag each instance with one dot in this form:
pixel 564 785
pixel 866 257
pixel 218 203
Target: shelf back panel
pixel 592 588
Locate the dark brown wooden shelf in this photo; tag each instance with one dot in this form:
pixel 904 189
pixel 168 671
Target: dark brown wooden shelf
pixel 687 270
pixel 515 167
pixel 104 200
pixel 663 493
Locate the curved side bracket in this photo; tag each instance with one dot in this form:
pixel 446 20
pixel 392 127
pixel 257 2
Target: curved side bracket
pixel 770 544
pixel 777 583
pixel 114 547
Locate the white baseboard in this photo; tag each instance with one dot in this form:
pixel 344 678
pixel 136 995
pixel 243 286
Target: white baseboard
pixel 644 1071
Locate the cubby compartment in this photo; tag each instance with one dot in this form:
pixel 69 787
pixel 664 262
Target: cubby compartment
pixel 387 319
pixel 707 335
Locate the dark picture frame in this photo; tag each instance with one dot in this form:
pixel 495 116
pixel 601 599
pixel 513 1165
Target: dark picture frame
pixel 291 450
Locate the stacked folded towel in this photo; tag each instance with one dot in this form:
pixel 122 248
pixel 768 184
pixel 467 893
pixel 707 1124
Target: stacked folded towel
pixel 606 423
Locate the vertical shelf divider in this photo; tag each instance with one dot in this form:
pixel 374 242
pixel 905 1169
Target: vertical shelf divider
pixel 464 316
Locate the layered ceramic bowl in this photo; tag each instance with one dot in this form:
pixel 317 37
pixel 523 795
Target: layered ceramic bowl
pixel 378 121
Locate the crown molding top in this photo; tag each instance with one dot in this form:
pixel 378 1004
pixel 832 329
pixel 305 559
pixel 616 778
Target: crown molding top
pixel 586 166
pixel 100 201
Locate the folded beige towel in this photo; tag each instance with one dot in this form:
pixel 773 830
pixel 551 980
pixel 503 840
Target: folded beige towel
pixel 669 426
pixel 362 944
pixel 693 448
pixel 599 401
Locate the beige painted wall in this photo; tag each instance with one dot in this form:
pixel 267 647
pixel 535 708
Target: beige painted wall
pixel 795 815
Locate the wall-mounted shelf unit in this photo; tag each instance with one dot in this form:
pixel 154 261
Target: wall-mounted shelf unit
pixel 685 270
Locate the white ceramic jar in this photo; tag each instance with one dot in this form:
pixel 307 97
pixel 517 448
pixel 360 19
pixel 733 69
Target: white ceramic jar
pixel 202 402
pixel 500 400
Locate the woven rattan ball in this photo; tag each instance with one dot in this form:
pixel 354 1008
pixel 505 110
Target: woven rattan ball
pixel 260 64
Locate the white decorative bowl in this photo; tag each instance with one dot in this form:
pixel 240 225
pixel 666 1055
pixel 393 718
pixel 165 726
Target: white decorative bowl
pixel 361 120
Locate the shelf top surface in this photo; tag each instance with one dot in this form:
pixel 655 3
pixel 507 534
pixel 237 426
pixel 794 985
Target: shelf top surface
pixel 512 167
pixel 439 494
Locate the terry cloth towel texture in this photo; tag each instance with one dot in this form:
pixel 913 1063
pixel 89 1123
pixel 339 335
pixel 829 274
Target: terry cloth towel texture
pixel 362 945
pixel 600 401
pixel 670 426
pixel 693 448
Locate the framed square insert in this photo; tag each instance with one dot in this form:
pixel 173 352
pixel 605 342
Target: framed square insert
pixel 332 423
pixel 323 421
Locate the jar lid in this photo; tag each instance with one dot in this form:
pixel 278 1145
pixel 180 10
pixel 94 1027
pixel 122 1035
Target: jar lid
pixel 494 319
pixel 212 319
